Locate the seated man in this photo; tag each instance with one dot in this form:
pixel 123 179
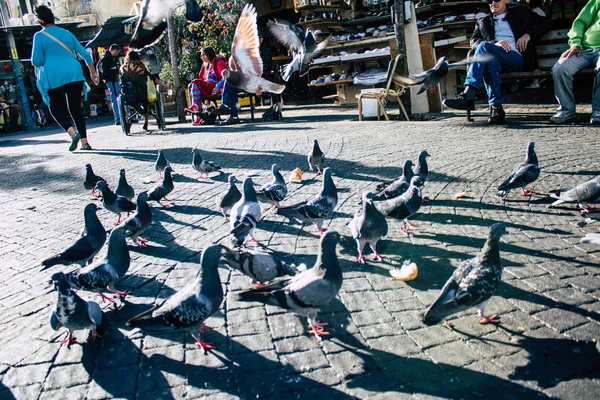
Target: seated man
pixel 229 105
pixel 584 39
pixel 504 34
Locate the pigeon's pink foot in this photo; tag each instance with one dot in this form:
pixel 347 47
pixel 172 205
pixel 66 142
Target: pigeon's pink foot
pixel 118 221
pixel 377 257
pixel 407 233
pixel 105 297
pixel 360 259
pixel 258 285
pixel 139 239
pixel 203 328
pixel 141 242
pixel 201 176
pixel 69 340
pixel 93 336
pixel 203 345
pixel 226 219
pixel 447 324
pixel 259 91
pixel 526 192
pixel 319 171
pixel 316 328
pixel 588 209
pixel 494 319
pixel 322 231
pixel 407 222
pixel 253 239
pixel 120 295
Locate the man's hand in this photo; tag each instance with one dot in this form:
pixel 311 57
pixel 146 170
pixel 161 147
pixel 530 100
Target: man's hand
pixel 522 42
pixel 95 78
pixel 575 50
pixel 504 44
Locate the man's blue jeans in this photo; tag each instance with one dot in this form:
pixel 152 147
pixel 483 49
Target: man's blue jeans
pixel 230 99
pixel 489 72
pixel 115 89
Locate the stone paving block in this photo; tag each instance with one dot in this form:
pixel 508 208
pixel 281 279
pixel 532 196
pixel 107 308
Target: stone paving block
pixel 119 354
pixel 305 361
pixel 236 317
pixel 249 328
pixel 576 389
pixel 570 296
pixel 113 382
pixel 378 330
pixel 26 375
pixel 174 353
pixel 164 340
pixel 590 331
pixel 360 301
pixel 66 376
pixel 261 361
pixel 208 382
pixel 159 378
pixel 356 285
pixel 298 383
pixel 264 384
pixel 545 283
pixel 44 354
pixel 432 336
pixel 372 317
pixel 494 345
pixel 352 363
pixel 296 344
pixel 75 392
pixel 21 392
pixel 386 349
pixel 251 343
pixel 286 325
pixel 456 353
pixel 561 320
pixel 585 283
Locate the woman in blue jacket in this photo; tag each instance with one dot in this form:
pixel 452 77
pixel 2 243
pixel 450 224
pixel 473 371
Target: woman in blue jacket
pixel 60 76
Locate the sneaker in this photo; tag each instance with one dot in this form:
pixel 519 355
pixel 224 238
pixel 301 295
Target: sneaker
pixel 497 115
pixel 223 109
pixel 562 116
pixel 74 140
pixel 192 109
pixel 461 102
pixel 595 119
pixel 197 121
pixel 230 121
pixel 86 147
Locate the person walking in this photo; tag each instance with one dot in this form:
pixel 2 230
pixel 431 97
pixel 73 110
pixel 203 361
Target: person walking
pixel 110 75
pixel 60 76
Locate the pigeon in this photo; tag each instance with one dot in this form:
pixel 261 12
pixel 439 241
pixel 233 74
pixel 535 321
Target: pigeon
pixel 525 173
pixel 586 192
pixel 228 198
pixel 398 186
pixel 593 238
pixel 316 157
pixel 161 163
pixel 86 247
pixel 422 169
pixel 73 312
pixel 472 284
pixel 245 214
pixel 201 165
pixel 405 205
pixel 433 76
pixel 275 191
pixel 191 306
pixel 368 226
pixel 123 188
pixel 245 65
pixel 302 46
pixel 261 267
pixel 308 291
pixel 104 274
pixel 91 179
pixel 159 192
pixel 140 221
pixel 152 23
pixel 114 203
pixel 317 208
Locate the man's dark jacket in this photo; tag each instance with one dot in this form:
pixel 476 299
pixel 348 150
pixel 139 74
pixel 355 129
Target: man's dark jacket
pixel 522 20
pixel 110 68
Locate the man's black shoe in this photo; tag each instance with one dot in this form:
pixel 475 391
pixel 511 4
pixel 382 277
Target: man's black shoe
pixel 230 121
pixel 497 115
pixel 223 109
pixel 461 102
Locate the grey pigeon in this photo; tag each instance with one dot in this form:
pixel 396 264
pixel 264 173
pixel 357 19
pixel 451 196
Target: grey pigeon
pixel 86 247
pixel 140 221
pixel 123 188
pixel 73 312
pixel 472 284
pixel 245 214
pixel 161 163
pixel 114 203
pixel 422 169
pixel 275 191
pixel 308 291
pixel 91 179
pixel 433 76
pixel 261 267
pixel 368 226
pixel 201 165
pixel 228 198
pixel 191 306
pixel 405 205
pixel 302 46
pixel 592 238
pixel 245 65
pixel 104 274
pixel 317 208
pixel 398 186
pixel 316 157
pixel 586 192
pixel 525 173
pixel 161 191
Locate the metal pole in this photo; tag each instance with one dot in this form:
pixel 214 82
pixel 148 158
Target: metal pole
pixel 16 69
pixel 401 39
pixel 176 79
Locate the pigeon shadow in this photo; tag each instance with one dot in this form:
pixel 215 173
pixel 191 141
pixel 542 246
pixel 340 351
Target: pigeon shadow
pixel 580 172
pixel 129 154
pixel 6 393
pixel 31 171
pixel 481 205
pixel 27 142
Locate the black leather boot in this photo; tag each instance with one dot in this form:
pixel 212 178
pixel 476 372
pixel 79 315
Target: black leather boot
pixel 497 115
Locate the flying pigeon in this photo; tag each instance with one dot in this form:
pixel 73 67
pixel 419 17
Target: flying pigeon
pixel 191 306
pixel 91 179
pixel 472 284
pixel 159 192
pixel 398 186
pixel 303 46
pixel 104 274
pixel 586 192
pixel 123 188
pixel 86 247
pixel 433 76
pixel 309 290
pixel 261 267
pixel 114 203
pixel 140 221
pixel 405 205
pixel 245 214
pixel 316 157
pixel 245 65
pixel 422 168
pixel 275 191
pixel 525 173
pixel 368 226
pixel 228 198
pixel 161 163
pixel 73 312
pixel 317 208
pixel 201 165
pixel 152 23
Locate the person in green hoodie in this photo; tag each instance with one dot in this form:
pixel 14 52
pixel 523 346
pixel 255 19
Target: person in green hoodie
pixel 584 52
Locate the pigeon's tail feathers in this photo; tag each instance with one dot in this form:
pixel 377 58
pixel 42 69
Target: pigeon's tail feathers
pixel 58 259
pixel 143 320
pixel 273 298
pixel 289 212
pixel 245 226
pixel 405 80
pixel 193 11
pixel 423 88
pixel 73 281
pixel 287 72
pixel 143 37
pixel 555 194
pixel 593 238
pixel 268 86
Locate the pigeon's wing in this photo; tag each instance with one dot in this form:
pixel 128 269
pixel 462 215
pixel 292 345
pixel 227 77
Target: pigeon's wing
pixel 586 191
pixel 157 193
pixel 125 204
pixel 411 80
pixel 316 209
pixel 521 176
pixel 480 58
pixel 319 48
pixel 133 225
pixel 96 276
pixel 245 46
pixel 285 34
pixel 54 321
pixel 80 250
pixel 94 312
pixel 311 289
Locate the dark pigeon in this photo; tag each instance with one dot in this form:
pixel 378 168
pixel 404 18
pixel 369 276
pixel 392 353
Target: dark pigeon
pixel 316 157
pixel 405 205
pixel 203 166
pixel 123 188
pixel 525 173
pixel 114 203
pixel 91 179
pixel 140 221
pixel 422 169
pixel 161 163
pixel 161 191
pixel 368 226
pixel 398 186
pixel 275 191
pixel 245 214
pixel 226 200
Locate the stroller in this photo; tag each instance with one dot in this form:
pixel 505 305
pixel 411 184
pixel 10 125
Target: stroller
pixel 134 93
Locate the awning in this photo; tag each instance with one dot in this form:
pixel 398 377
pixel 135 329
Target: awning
pixel 30 29
pixel 112 31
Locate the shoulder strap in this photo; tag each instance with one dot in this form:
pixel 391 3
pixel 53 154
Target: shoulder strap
pixel 58 41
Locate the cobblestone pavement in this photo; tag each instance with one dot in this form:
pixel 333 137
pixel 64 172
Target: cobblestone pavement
pixel 549 298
